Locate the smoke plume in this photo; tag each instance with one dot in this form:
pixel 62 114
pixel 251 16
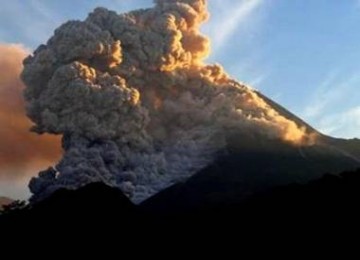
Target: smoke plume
pixel 136 105
pixel 20 150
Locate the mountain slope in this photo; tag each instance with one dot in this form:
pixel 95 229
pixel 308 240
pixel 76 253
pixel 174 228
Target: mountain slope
pixel 250 165
pixel 93 202
pixel 331 199
pixel 350 148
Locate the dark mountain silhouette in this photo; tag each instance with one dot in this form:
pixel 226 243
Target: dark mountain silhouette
pixel 251 165
pixel 331 198
pixel 93 205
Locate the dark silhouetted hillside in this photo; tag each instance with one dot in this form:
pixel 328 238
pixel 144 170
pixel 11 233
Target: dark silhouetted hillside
pixel 330 199
pixel 93 205
pixel 251 166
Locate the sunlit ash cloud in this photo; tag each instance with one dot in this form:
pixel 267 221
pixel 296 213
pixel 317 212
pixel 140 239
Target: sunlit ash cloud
pixel 135 103
pixel 21 152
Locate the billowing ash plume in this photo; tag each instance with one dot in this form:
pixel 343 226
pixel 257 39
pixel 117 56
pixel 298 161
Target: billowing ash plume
pixel 137 107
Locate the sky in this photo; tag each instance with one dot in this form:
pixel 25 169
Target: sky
pixel 304 54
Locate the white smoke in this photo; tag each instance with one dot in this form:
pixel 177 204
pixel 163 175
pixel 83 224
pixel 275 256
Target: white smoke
pixel 135 104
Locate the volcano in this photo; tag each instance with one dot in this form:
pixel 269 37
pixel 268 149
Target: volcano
pixel 252 165
pixel 138 109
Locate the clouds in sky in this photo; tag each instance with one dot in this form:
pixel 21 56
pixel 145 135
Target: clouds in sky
pixel 334 108
pixel 344 124
pixel 20 150
pixel 228 18
pixel 27 22
pixel 235 31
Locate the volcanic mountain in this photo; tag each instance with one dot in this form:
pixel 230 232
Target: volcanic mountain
pixel 139 109
pixel 252 165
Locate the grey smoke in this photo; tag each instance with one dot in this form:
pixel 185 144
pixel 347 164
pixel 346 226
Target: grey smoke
pixel 136 106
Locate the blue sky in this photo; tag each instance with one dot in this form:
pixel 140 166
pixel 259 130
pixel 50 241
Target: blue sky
pixel 304 54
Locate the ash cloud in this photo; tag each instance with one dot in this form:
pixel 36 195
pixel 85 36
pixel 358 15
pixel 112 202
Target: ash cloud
pixel 136 105
pixel 20 150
